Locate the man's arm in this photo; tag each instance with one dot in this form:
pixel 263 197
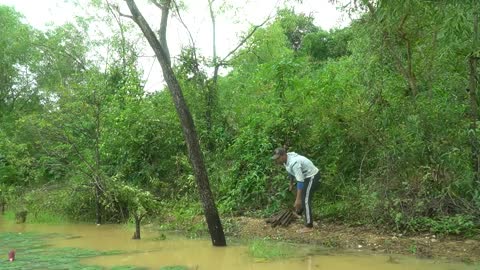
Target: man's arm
pixel 298 200
pixel 297 170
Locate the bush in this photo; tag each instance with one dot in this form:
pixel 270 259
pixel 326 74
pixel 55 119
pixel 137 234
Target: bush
pixel 456 225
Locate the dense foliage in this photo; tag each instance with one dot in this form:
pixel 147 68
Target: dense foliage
pixel 380 106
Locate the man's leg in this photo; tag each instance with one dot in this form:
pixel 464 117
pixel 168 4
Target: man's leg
pixel 307 194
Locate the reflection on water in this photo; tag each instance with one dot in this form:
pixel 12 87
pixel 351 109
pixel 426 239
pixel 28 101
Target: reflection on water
pixel 200 254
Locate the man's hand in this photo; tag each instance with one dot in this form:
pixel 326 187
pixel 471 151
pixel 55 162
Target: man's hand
pixel 298 205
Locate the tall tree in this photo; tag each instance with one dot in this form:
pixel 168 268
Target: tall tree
pixel 19 97
pixel 79 102
pixel 160 47
pixel 18 55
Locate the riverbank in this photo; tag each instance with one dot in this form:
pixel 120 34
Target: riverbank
pixel 362 239
pixel 335 237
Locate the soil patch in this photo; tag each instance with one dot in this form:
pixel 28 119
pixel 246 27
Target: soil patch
pixel 359 238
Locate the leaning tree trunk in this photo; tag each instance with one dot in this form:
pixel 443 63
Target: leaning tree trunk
pixel 195 154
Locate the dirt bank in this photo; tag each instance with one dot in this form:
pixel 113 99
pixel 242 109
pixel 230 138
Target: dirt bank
pixel 344 237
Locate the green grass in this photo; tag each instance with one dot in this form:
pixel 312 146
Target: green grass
pixel 32 252
pixel 174 267
pixel 47 218
pixel 267 249
pixel 42 218
pixel 187 218
pixel 9 215
pixel 126 268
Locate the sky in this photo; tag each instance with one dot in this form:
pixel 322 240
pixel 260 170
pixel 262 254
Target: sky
pixel 230 24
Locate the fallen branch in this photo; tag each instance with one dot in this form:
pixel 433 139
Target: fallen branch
pixel 282 218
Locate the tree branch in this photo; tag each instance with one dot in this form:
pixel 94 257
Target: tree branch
pixel 214 32
pixel 162 32
pixel 411 79
pixel 177 9
pixel 192 41
pixel 156 45
pixel 223 61
pixel 370 6
pixel 123 14
pixel 120 27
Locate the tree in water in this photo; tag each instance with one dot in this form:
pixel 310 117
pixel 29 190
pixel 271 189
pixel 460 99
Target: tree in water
pixel 139 203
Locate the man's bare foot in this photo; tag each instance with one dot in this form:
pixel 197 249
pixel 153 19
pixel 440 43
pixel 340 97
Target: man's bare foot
pixel 305 230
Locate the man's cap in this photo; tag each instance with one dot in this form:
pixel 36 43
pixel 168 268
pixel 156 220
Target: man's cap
pixel 278 153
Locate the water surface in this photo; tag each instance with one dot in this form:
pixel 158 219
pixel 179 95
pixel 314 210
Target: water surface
pixel 153 253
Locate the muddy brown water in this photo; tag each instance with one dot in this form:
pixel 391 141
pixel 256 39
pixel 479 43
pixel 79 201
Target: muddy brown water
pixel 152 253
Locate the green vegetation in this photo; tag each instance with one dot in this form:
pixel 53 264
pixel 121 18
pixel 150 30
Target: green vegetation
pixel 264 249
pixel 174 267
pixel 32 252
pixel 413 249
pixel 268 249
pixel 379 105
pixel 456 225
pixel 126 268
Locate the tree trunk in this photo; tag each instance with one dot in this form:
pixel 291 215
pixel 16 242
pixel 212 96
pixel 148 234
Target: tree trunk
pixel 473 59
pixel 212 87
pixel 195 154
pixel 136 234
pixel 408 71
pixel 98 190
pixel 211 105
pixel 98 205
pixel 2 207
pixel 411 78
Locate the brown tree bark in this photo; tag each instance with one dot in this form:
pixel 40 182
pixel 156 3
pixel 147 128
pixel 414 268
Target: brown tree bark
pixel 136 234
pixel 98 205
pixel 195 154
pixel 3 203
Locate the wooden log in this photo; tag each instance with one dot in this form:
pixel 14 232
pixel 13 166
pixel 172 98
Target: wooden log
pixel 274 217
pixel 282 218
pixel 287 219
